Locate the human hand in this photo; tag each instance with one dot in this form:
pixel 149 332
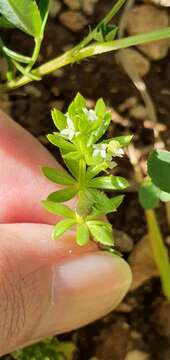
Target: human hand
pixel 46 287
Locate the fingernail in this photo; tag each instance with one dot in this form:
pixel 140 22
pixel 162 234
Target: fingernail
pixel 86 288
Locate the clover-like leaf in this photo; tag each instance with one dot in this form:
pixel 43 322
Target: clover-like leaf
pixel 58 176
pixel 149 195
pixel 159 169
pixel 61 227
pixel 58 209
pixel 82 234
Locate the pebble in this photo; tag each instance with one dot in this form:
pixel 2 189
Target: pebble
pixel 123 242
pixel 73 20
pixel 73 4
pixel 142 263
pixel 139 62
pixel 137 355
pixel 145 18
pixel 138 112
pixel 55 7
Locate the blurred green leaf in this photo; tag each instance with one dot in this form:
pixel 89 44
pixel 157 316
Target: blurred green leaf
pixel 24 14
pixel 58 141
pixel 44 10
pixel 164 196
pixel 50 349
pixel 63 195
pixel 148 195
pixel 59 119
pixel 82 234
pixel 58 209
pixel 61 227
pixel 101 231
pixel 159 169
pixel 109 182
pixel 58 176
pixel 4 23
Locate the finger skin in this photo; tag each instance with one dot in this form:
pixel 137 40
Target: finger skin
pixel 48 287
pixel 22 184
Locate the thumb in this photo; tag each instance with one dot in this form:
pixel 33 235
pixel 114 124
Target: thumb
pixel 48 287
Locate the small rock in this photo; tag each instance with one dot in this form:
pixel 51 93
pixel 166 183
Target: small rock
pixel 136 355
pixel 145 18
pixel 142 263
pixel 73 20
pixel 138 112
pixel 88 6
pixel 73 4
pixel 140 64
pixel 123 242
pixel 55 7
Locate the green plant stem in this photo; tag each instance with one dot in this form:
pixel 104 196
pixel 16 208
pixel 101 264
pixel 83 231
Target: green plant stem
pixel 73 56
pixel 159 251
pixel 35 54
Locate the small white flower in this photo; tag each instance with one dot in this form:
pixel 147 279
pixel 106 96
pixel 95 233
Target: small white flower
pixel 90 114
pixel 119 152
pixel 69 132
pixel 100 150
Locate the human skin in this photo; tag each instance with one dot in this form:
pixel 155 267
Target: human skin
pixel 46 287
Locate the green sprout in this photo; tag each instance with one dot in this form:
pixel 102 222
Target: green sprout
pixel 77 136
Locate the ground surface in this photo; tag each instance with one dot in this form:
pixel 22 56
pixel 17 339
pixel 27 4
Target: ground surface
pixel 140 328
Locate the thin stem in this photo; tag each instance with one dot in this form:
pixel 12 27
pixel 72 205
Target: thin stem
pixel 114 10
pixel 35 54
pixel 159 250
pixel 167 207
pixel 71 57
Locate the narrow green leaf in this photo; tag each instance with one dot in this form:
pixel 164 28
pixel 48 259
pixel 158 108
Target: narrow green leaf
pixel 159 251
pixel 58 176
pixel 109 182
pixel 61 227
pixel 59 119
pixel 58 209
pixel 101 231
pixel 102 128
pixel 24 14
pixel 63 195
pixel 94 170
pixel 82 234
pixel 123 141
pixel 44 10
pixel 159 169
pixel 100 108
pixel 73 155
pixel 58 141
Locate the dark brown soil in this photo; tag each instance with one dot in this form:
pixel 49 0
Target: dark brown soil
pixel 145 322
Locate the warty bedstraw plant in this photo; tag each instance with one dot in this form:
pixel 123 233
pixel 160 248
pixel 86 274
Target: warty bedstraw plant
pixel 86 156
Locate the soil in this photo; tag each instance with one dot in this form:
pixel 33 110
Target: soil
pixel 142 321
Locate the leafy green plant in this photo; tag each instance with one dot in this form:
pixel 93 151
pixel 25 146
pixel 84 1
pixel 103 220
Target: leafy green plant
pixel 78 137
pixel 50 349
